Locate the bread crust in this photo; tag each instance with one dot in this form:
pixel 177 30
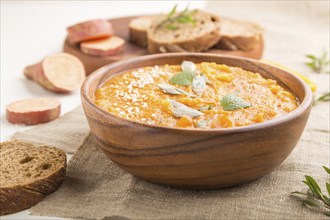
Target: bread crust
pixel 244 41
pixel 138 37
pixel 20 196
pixel 239 42
pixel 14 199
pixel 138 30
pixel 255 53
pixel 195 44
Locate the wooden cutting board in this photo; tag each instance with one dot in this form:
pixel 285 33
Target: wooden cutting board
pixel 120 26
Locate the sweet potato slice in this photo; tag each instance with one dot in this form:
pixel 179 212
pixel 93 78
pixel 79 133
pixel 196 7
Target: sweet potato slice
pixel 60 72
pixel 89 30
pixel 33 111
pixel 103 47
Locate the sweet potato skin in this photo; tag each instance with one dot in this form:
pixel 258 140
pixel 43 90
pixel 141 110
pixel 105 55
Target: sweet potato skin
pixel 89 30
pixel 33 117
pixel 36 72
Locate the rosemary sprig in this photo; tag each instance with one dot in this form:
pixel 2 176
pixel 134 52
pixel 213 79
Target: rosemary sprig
pixel 319 64
pixel 172 17
pixel 325 97
pixel 314 198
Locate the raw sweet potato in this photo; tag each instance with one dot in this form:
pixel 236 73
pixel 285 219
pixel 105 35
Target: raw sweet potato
pixel 89 30
pixel 33 111
pixel 103 47
pixel 60 72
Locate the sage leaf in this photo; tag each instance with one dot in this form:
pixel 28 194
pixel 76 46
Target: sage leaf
pixel 186 93
pixel 206 79
pixel 208 107
pixel 232 102
pixel 166 88
pixel 169 89
pixel 201 124
pixel 181 110
pixel 199 85
pixel 183 78
pixel 188 66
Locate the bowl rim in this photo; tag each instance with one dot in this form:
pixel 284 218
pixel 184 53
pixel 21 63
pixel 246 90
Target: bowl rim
pixel 304 105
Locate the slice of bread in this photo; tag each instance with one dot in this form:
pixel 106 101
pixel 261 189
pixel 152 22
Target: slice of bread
pixel 28 173
pixel 187 37
pixel 138 30
pixel 239 35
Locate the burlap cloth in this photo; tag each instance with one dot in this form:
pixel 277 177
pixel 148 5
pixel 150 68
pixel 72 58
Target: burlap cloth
pixel 96 188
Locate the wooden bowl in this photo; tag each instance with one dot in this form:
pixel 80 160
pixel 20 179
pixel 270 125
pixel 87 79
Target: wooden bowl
pixel 196 158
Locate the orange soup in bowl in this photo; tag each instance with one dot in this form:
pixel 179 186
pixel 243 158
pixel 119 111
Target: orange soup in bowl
pixel 204 95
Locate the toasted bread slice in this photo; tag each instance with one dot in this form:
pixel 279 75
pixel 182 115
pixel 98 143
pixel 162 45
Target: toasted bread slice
pixel 239 35
pixel 28 174
pixel 187 36
pixel 138 30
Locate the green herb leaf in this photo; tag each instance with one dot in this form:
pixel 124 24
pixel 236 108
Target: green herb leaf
pixel 206 79
pixel 185 19
pixel 313 183
pixel 325 97
pixel 314 198
pixel 166 88
pixel 172 12
pixel 232 102
pixel 318 64
pixel 181 110
pixel 326 199
pixel 311 202
pixel 199 84
pixel 327 213
pixel 172 17
pixel 183 78
pixel 208 107
pixel 326 169
pixel 169 89
pixel 310 56
pixel 328 187
pixel 201 124
pixel 172 27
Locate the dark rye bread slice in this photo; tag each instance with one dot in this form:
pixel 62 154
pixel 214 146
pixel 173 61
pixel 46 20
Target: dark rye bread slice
pixel 188 37
pixel 28 173
pixel 239 35
pixel 138 30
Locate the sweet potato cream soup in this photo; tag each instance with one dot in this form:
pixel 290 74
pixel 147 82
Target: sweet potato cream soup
pixel 204 95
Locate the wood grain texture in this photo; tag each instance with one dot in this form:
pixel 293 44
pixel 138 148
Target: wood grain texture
pixel 120 26
pixel 196 158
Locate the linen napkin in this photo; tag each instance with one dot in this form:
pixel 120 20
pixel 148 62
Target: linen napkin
pixel 96 188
